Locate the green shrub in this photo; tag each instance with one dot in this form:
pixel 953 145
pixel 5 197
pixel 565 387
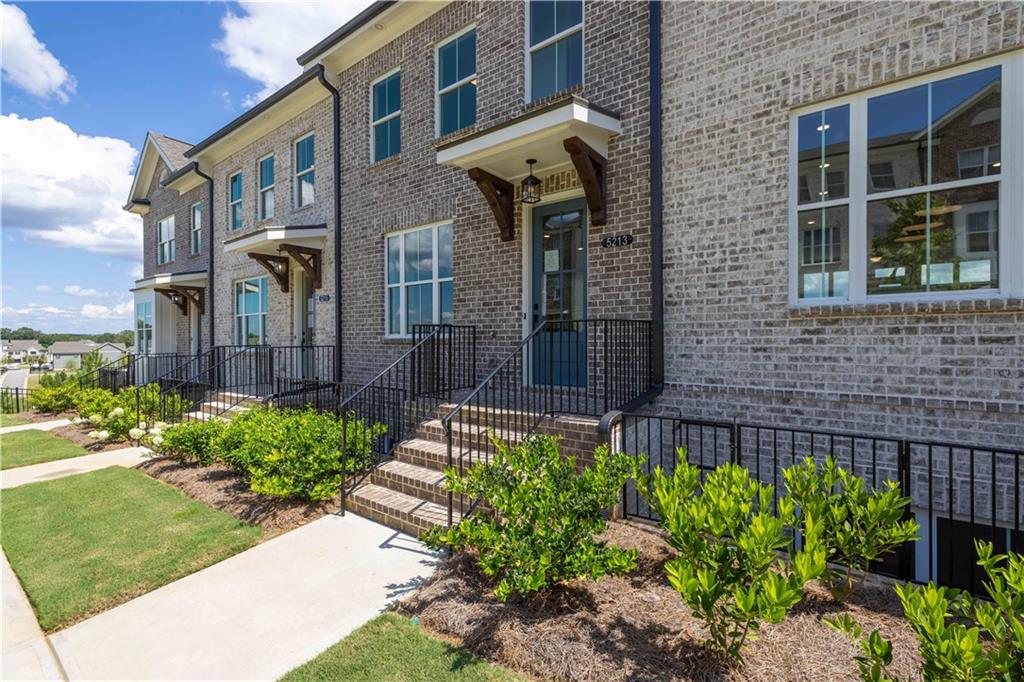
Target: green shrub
pixel 961 637
pixel 56 399
pixel 192 441
pixel 55 379
pixel 546 515
pixel 94 402
pixel 727 537
pixel 857 526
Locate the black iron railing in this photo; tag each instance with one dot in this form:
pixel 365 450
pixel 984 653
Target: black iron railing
pixel 294 367
pixel 15 399
pixel 405 393
pixel 958 492
pixel 585 367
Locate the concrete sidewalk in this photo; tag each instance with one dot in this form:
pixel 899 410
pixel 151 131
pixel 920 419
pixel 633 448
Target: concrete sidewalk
pixel 26 653
pixel 126 457
pixel 256 615
pixel 39 426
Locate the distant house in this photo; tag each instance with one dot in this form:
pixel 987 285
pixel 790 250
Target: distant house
pixel 22 350
pixel 68 354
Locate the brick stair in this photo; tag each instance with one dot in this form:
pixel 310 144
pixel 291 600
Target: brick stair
pixel 222 404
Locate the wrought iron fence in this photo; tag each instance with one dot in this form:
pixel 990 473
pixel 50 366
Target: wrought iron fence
pixel 958 492
pixel 15 399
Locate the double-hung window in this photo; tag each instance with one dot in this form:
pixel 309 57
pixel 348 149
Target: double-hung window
pixel 386 101
pixel 251 311
pixel 898 191
pixel 305 171
pixel 144 328
pixel 265 202
pixel 420 288
pixel 196 228
pixel 456 83
pixel 235 201
pixel 165 240
pixel 555 37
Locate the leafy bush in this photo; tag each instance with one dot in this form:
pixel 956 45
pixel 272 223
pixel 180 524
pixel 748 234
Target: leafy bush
pixel 546 515
pixel 55 379
pixel 192 441
pixel 857 526
pixel 131 413
pixel 961 637
pixel 728 568
pixel 94 402
pixel 54 399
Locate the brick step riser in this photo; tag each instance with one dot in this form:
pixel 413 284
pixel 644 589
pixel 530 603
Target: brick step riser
pixel 464 439
pixel 473 414
pixel 389 517
pixel 436 493
pixel 438 461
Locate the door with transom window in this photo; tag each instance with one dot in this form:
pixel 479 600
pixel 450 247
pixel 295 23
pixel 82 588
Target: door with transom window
pixel 559 293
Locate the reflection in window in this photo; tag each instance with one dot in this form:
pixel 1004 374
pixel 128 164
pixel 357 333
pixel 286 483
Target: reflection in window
pixel 456 86
pixel 251 305
pixel 420 289
pixel 144 328
pixel 975 163
pixel 934 241
pixel 882 176
pixel 824 255
pixel 305 171
pixel 556 46
pixel 387 117
pixel 824 147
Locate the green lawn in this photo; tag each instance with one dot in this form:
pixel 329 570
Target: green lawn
pixel 11 420
pixel 85 543
pixel 393 649
pixel 33 446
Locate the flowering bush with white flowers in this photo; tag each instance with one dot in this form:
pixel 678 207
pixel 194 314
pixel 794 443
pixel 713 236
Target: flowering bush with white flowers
pixel 134 413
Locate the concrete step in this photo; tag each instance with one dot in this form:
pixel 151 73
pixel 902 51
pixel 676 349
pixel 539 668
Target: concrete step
pixel 402 512
pixel 426 484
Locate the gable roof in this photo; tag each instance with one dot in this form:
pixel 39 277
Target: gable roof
pixel 18 345
pixel 157 146
pixel 72 347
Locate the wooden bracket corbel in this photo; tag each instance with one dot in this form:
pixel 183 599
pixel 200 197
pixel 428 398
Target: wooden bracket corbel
pixel 590 166
pixel 500 195
pixel 194 294
pixel 311 261
pixel 176 298
pixel 269 261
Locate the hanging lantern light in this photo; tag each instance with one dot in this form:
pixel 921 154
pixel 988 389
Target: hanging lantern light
pixel 531 185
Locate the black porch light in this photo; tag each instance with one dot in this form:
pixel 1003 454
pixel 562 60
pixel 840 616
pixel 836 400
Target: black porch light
pixel 531 186
pixel 175 298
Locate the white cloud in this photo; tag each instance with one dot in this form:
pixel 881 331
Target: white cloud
pixel 295 28
pixel 121 311
pixel 26 61
pixel 43 289
pixel 66 189
pixel 82 292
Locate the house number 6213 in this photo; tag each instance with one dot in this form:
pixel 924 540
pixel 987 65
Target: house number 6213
pixel 617 240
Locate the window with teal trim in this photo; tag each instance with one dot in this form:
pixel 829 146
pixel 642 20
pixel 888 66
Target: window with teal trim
pixel 387 117
pixel 456 83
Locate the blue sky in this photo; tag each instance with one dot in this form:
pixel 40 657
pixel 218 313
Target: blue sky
pixel 82 83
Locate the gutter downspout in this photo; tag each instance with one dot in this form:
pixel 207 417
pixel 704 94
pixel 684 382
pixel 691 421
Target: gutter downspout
pixel 657 205
pixel 336 151
pixel 210 297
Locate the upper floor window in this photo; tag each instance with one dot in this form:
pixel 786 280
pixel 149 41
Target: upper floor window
pixel 196 228
pixel 165 240
pixel 420 288
pixel 456 83
pixel 235 201
pixel 251 306
pixel 898 191
pixel 265 201
pixel 556 46
pixel 387 116
pixel 305 171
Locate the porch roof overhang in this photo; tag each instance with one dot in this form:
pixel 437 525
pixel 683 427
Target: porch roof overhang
pixel 269 240
pixel 502 150
pixel 196 278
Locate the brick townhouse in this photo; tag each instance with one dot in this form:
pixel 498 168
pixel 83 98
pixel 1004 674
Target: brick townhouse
pixel 775 213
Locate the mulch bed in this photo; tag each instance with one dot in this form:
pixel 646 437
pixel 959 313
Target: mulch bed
pixel 637 627
pixel 223 488
pixel 37 417
pixel 79 435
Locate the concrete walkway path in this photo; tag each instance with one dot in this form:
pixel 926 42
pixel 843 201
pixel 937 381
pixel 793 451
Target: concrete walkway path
pixel 126 457
pixel 26 653
pixel 39 426
pixel 256 615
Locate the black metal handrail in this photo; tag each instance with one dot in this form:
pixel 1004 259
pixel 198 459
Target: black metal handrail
pixel 584 367
pixel 958 491
pixel 92 378
pixel 219 369
pixel 403 394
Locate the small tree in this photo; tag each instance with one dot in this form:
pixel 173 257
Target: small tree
pixel 728 568
pixel 961 637
pixel 857 526
pixel 545 516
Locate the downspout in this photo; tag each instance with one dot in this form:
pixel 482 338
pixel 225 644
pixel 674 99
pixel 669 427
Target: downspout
pixel 209 245
pixel 657 206
pixel 335 148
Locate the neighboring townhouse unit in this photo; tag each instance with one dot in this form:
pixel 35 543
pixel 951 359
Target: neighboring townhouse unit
pixel 764 224
pixel 23 350
pixel 69 354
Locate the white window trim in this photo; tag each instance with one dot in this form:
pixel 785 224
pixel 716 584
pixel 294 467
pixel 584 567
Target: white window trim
pixel 263 317
pixel 138 335
pixel 260 190
pixel 297 175
pixel 438 90
pixel 195 241
pixel 986 160
pixel 172 250
pixel 402 285
pixel 530 49
pixel 238 201
pixel 1011 204
pixel 383 119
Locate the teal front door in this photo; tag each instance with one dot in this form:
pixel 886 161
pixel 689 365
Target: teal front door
pixel 559 293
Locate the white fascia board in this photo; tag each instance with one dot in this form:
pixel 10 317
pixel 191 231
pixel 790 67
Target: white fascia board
pixel 272 236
